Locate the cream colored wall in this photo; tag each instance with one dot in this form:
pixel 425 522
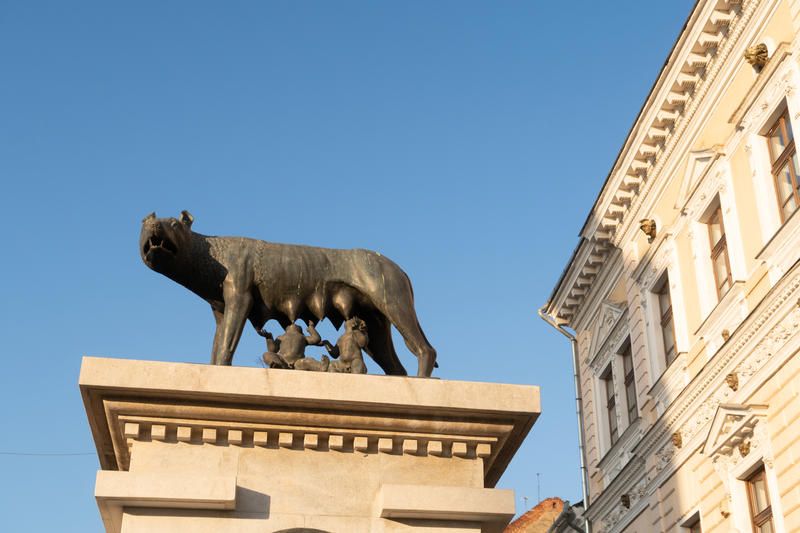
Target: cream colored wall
pixel 691 302
pixel 591 432
pixel 748 210
pixel 782 394
pixel 712 494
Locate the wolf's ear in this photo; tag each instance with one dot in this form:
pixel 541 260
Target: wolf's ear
pixel 187 218
pixel 148 217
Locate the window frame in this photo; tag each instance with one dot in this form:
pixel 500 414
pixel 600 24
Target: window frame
pixel 629 383
pixel 759 518
pixel 666 317
pixel 778 161
pixel 717 249
pixel 691 522
pixel 609 395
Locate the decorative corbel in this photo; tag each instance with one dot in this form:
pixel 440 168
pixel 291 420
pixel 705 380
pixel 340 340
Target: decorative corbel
pixel 648 227
pixel 677 439
pixel 757 55
pixel 732 380
pixel 625 499
pixel 744 448
pixel 724 507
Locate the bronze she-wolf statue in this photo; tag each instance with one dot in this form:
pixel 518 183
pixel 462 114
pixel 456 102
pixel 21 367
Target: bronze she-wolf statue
pixel 251 279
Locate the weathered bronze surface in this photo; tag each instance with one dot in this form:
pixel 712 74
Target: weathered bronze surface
pixel 245 279
pixel 290 347
pixel 348 348
pixel 347 351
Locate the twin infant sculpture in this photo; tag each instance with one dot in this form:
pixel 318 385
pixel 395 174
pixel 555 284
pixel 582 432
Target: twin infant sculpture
pixel 288 350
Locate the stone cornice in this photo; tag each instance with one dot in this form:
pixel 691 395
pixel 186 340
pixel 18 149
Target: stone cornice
pixel 713 27
pixel 132 422
pixel 612 268
pixel 132 401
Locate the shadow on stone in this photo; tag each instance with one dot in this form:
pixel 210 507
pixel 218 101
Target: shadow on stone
pixel 252 502
pixel 302 530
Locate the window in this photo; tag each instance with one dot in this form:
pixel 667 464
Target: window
pixel 760 508
pixel 667 323
pixel 611 407
pixel 720 262
pixel 630 383
pixel 691 524
pixel 694 527
pixel 784 165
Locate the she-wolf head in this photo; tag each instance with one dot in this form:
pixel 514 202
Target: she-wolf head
pixel 163 240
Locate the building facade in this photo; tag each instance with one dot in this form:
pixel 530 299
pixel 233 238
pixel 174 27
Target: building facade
pixel 684 291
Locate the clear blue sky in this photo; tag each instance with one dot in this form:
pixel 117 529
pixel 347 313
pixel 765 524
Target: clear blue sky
pixel 465 140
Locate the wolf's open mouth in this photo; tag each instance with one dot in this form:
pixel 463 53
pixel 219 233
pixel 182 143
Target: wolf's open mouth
pixel 159 242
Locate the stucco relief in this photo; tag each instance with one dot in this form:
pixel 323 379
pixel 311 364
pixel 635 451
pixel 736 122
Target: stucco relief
pixel 722 466
pixel 761 444
pixel 704 413
pixel 606 332
pixel 784 83
pixel 710 187
pixel 701 190
pixel 698 166
pixel 662 260
pixel 611 330
pixel 614 518
pixel 664 456
pixel 769 345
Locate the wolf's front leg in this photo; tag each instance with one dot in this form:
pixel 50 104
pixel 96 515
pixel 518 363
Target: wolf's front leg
pixel 217 335
pixel 238 302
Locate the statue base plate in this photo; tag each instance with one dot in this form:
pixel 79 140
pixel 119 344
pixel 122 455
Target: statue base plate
pixel 189 447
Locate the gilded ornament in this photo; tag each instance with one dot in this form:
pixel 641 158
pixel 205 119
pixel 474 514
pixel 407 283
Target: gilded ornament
pixel 757 55
pixel 744 448
pixel 648 226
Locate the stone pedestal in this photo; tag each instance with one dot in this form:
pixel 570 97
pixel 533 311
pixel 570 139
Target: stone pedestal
pixel 198 448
